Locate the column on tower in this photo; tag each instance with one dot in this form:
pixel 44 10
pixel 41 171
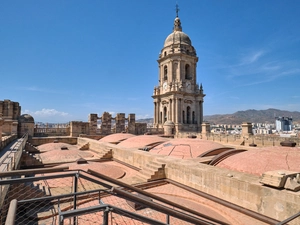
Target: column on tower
pixel 154 114
pixel 170 110
pixel 179 70
pixel 170 71
pixel 201 112
pixel 158 114
pixel 179 110
pixel 197 111
pixel 174 119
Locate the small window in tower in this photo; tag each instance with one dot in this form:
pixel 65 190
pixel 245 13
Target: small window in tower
pixel 165 72
pixel 165 53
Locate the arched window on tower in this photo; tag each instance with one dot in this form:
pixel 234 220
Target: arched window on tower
pixel 193 117
pixel 183 116
pixel 187 72
pixel 165 73
pixel 188 114
pixel 165 53
pixel 165 114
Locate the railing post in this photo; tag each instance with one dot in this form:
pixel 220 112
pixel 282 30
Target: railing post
pixel 75 197
pixel 105 216
pixel 168 219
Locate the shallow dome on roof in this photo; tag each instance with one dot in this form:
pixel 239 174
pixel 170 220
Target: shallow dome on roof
pixel 185 148
pixel 116 138
pixel 142 141
pixel 258 161
pixel 177 37
pixel 26 118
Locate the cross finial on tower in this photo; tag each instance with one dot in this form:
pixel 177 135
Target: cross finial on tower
pixel 177 10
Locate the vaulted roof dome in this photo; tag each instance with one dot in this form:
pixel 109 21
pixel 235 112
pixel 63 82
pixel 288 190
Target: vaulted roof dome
pixel 177 37
pixel 26 118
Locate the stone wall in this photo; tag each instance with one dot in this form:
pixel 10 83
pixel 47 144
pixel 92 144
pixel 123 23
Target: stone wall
pixel 78 127
pixel 36 141
pixel 10 110
pixel 238 188
pixel 140 128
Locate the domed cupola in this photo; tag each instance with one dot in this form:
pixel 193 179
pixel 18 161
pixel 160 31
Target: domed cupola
pixel 177 41
pixel 177 37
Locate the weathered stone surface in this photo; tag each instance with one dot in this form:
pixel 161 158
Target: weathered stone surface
pixel 276 178
pixel 292 183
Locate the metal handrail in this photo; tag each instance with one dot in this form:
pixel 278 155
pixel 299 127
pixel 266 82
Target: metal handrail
pixel 289 219
pixel 113 191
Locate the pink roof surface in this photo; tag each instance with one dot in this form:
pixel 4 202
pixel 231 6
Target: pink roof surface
pixel 56 146
pixel 111 169
pixel 116 138
pixel 169 192
pixel 141 141
pixel 258 161
pixel 185 148
pixel 52 153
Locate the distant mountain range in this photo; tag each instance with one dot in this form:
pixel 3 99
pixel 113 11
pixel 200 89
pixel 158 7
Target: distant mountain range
pixel 250 115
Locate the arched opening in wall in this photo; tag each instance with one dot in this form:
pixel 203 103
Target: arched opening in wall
pixel 193 117
pixel 188 114
pixel 165 73
pixel 165 53
pixel 165 114
pixel 187 72
pixel 183 116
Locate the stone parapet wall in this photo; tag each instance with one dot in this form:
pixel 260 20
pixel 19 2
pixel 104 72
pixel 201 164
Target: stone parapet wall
pixel 48 132
pixel 36 141
pixel 259 140
pixel 6 140
pixel 238 188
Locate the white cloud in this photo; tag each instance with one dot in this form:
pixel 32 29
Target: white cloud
pixel 252 57
pixel 48 115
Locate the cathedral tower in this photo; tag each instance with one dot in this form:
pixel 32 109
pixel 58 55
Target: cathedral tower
pixel 178 98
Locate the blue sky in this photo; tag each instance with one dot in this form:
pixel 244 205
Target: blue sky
pixel 62 60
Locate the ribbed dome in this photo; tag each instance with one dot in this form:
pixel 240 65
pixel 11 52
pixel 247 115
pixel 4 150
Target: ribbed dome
pixel 177 37
pixel 26 118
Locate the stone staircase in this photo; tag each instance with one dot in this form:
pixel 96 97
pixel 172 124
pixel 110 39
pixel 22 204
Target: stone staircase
pixel 31 149
pixel 30 190
pixel 151 171
pixel 103 154
pixel 29 159
pixel 100 154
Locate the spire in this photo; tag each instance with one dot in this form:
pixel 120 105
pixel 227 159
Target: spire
pixel 177 23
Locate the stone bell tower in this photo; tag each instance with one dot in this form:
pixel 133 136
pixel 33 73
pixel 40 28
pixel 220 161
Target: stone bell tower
pixel 178 98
